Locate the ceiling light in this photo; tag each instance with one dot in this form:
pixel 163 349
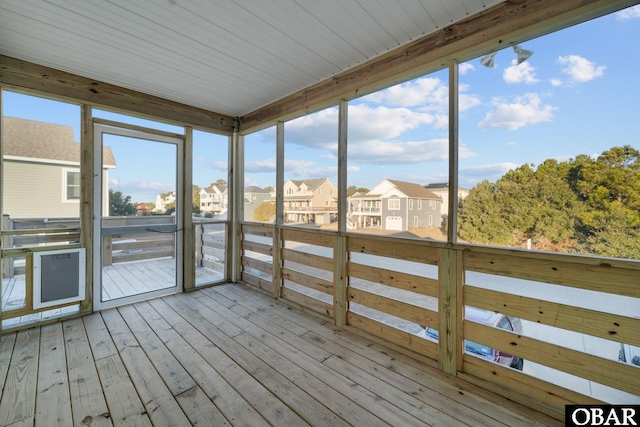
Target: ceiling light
pixel 521 56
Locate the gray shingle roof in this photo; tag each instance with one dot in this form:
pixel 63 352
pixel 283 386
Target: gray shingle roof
pixel 41 140
pixel 255 189
pixel 414 190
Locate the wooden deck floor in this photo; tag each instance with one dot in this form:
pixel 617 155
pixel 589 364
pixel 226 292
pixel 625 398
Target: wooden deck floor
pixel 226 356
pixel 118 280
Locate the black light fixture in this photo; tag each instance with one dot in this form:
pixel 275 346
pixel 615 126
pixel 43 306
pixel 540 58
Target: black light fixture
pixel 521 56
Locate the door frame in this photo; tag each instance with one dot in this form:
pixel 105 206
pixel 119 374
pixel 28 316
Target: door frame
pixel 101 127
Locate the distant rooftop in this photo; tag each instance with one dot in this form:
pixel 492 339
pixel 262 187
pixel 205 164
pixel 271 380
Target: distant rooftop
pixel 46 141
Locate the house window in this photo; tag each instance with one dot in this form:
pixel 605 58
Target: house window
pixel 415 221
pixel 419 205
pixel 410 204
pixel 72 185
pixel 393 204
pixel 430 219
pixel 289 190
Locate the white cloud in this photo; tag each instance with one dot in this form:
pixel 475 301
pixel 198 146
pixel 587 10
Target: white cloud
pixel 221 166
pixel 404 152
pixel 525 110
pixel 366 122
pixel 511 143
pixel 630 13
pixel 429 93
pixel 466 101
pixel 556 82
pixel 257 166
pixel 305 169
pixel 463 69
pixel 580 69
pixel 523 73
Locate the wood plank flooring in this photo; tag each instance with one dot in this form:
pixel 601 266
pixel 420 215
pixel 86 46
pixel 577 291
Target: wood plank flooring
pixel 118 280
pixel 226 356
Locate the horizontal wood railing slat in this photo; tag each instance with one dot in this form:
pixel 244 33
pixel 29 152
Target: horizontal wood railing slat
pixel 545 392
pixel 413 313
pixel 310 237
pixel 308 301
pixel 265 230
pixel 614 374
pixel 257 247
pixel 405 339
pixel 394 248
pixel 259 282
pixel 257 265
pixel 396 279
pixel 559 272
pixel 599 324
pixel 308 280
pixel 310 260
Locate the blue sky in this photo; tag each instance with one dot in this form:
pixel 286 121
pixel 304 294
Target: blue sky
pixel 577 94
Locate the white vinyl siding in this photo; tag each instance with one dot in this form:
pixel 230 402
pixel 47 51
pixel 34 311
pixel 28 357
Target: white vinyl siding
pixel 35 190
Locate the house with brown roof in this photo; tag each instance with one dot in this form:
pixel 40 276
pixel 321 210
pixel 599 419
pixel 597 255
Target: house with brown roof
pixel 312 201
pixel 394 205
pixel 42 170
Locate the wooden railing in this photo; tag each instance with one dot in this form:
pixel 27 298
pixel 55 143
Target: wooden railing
pixel 211 246
pixel 576 310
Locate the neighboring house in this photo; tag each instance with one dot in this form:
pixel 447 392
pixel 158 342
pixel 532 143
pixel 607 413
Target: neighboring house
pixel 163 200
pixel 441 189
pixel 312 201
pixel 214 200
pixel 394 205
pixel 253 196
pixel 142 208
pixel 42 170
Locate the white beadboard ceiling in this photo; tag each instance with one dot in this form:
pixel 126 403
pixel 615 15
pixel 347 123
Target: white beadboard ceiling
pixel 227 56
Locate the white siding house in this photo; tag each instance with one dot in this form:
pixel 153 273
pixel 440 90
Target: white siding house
pixel 42 170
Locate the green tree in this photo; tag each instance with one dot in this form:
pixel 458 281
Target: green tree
pixel 351 190
pixel 195 195
pixel 583 205
pixel 264 212
pixel 220 181
pixel 120 205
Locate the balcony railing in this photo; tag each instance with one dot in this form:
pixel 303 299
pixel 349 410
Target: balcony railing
pixel 576 311
pixel 377 210
pixel 310 209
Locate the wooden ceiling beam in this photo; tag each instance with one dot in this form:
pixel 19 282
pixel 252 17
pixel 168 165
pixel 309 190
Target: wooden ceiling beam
pixel 503 25
pixel 23 75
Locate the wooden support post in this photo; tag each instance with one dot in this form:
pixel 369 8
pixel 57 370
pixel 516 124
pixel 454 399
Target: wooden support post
pixel 277 263
pixel 107 250
pixel 452 209
pixel 188 242
pixel 340 253
pixel 87 205
pixel 340 280
pixel 450 311
pixel 277 232
pixel 236 159
pixel 199 247
pixel 7 243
